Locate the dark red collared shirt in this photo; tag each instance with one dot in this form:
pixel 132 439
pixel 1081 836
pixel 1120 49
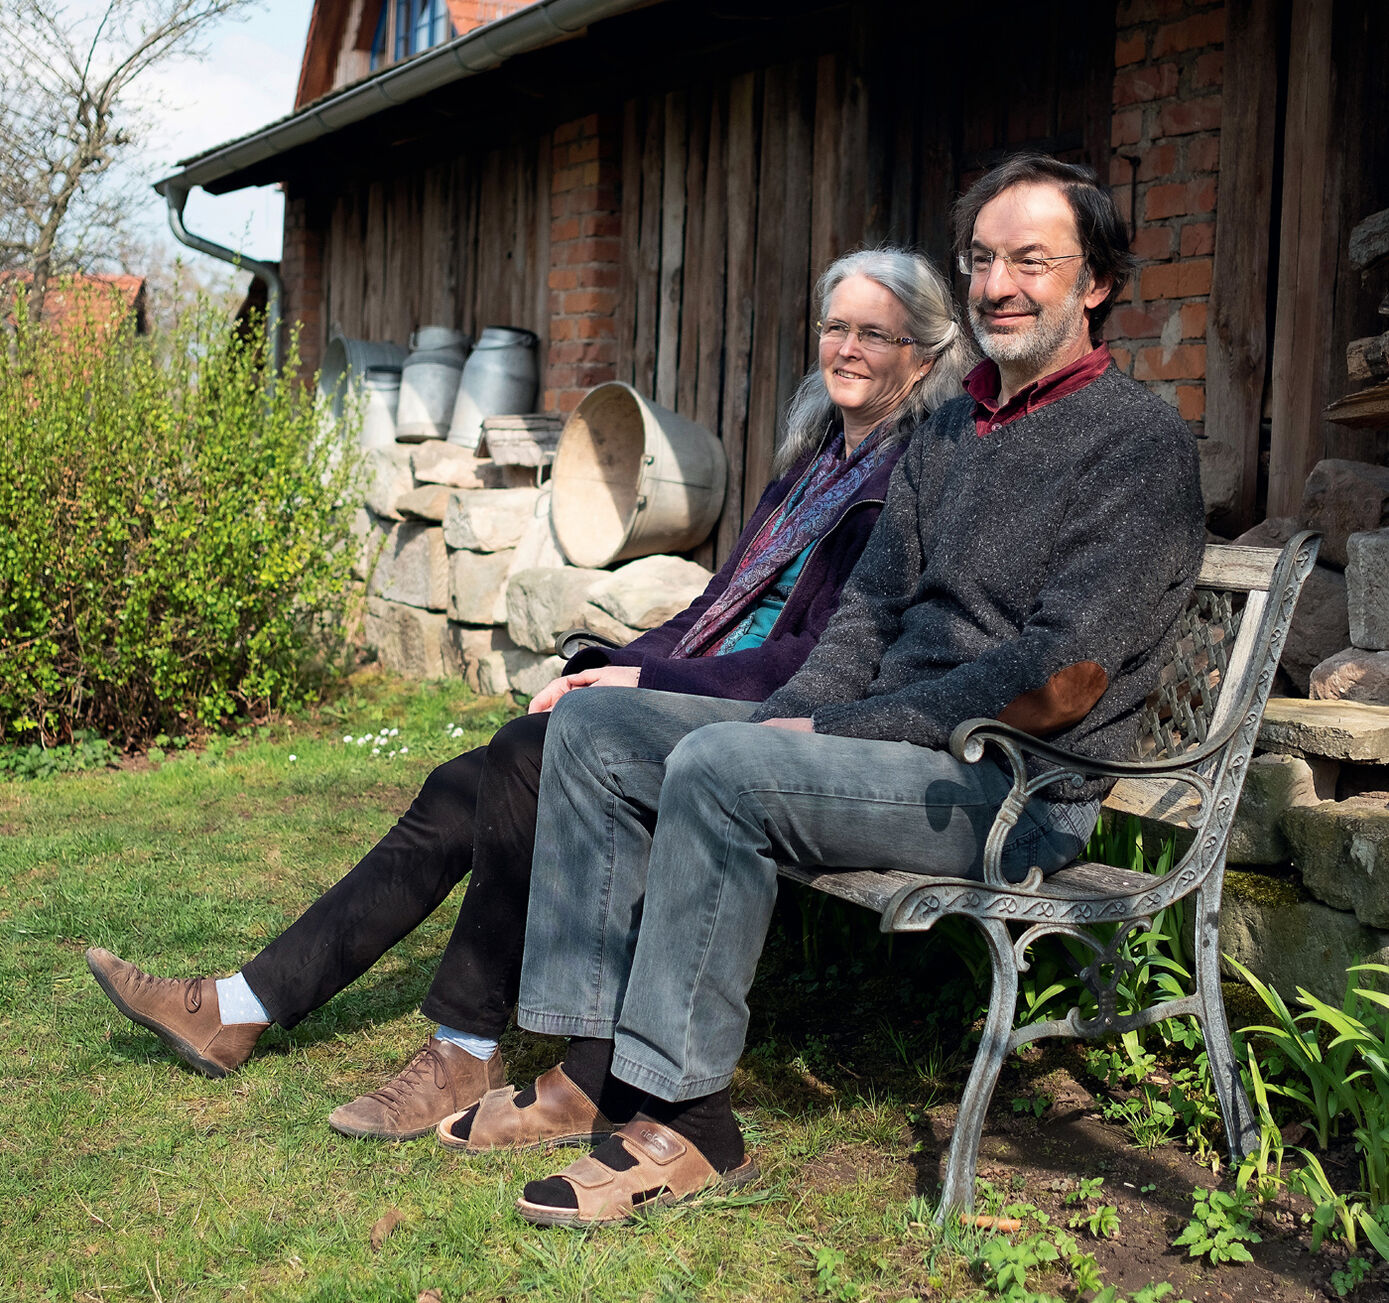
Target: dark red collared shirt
pixel 983 383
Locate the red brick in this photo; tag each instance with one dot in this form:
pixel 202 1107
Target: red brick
pixel 1191 402
pixel 567 228
pixel 565 178
pixel 600 224
pixel 1137 323
pixel 591 250
pixel 1123 359
pixel 565 401
pixel 1176 280
pixel 556 303
pixel 1185 116
pixel 596 373
pixel 589 199
pixel 1198 238
pixel 1153 243
pixel 563 278
pixel 1126 128
pixel 600 277
pixel 1164 201
pixel 1203 153
pixel 565 327
pixel 1193 317
pixel 1131 47
pixel 1191 33
pixel 1185 362
pixel 566 132
pixel 1209 70
pixel 1157 161
pixel 581 151
pixel 1123 201
pixel 1120 170
pixel 1138 85
pixel 1200 195
pixel 595 327
pixel 578 301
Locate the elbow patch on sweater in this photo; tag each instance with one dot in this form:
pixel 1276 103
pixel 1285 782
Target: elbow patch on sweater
pixel 1062 701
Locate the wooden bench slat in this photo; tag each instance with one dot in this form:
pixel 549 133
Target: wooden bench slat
pixel 1237 569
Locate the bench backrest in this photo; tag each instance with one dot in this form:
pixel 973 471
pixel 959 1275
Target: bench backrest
pixel 1219 644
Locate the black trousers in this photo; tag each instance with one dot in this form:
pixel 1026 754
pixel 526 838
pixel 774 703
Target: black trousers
pixel 477 812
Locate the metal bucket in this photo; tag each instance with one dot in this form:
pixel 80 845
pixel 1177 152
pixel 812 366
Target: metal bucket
pixel 631 478
pixel 383 395
pixel 501 377
pixel 343 373
pixel 429 383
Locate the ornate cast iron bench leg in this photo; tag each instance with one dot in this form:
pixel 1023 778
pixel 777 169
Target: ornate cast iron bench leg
pixel 988 1061
pixel 1241 1126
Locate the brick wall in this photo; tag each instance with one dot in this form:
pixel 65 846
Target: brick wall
pixel 468 14
pixel 301 269
pixel 1169 67
pixel 585 259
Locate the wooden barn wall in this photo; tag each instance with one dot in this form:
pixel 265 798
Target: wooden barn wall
pixel 740 188
pixel 464 242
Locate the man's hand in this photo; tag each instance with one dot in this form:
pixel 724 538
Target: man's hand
pixel 799 725
pixel 605 676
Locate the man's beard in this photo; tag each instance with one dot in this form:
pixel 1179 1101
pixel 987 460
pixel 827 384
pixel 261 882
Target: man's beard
pixel 1050 330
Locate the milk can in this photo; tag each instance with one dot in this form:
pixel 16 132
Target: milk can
pixel 378 418
pixel 501 377
pixel 429 383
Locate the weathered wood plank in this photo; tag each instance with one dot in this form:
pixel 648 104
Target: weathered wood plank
pixel 697 213
pixel 764 286
pixel 1241 569
pixel 648 306
pixel 1237 328
pixel 826 240
pixel 672 279
pixel 740 262
pixel 626 314
pixel 1310 221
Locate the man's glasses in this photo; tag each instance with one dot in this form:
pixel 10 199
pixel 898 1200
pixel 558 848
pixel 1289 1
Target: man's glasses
pixel 977 262
pixel 870 340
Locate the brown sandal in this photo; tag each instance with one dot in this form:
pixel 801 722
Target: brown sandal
pixel 561 1115
pixel 668 1170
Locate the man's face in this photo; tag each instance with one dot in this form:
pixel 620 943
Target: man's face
pixel 1030 321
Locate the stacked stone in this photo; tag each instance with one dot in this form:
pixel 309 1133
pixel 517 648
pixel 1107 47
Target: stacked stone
pixel 465 577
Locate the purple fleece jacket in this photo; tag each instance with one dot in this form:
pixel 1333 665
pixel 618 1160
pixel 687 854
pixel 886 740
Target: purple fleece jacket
pixel 754 674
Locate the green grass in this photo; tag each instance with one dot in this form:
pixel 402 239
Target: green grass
pixel 124 1175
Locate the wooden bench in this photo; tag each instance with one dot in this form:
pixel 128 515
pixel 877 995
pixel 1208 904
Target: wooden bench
pixel 1195 740
pixel 1196 737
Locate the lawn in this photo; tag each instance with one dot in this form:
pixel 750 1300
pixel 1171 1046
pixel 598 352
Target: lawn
pixel 125 1175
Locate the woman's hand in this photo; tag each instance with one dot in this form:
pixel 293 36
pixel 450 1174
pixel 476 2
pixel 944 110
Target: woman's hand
pixel 799 725
pixel 605 676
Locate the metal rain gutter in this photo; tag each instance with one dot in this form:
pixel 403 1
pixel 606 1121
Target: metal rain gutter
pixel 176 196
pixel 478 51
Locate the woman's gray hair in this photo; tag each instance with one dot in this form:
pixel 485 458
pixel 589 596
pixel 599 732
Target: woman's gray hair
pixel 932 319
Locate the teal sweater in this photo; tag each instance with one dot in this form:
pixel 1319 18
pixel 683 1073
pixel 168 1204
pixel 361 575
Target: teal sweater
pixel 1072 534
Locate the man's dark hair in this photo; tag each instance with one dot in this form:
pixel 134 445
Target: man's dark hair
pixel 1104 239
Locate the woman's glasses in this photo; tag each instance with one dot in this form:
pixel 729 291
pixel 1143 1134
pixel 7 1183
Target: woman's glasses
pixel 870 340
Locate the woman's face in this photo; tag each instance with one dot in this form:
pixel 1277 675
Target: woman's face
pixel 865 384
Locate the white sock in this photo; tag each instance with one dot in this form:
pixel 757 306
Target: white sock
pixel 480 1047
pixel 236 1002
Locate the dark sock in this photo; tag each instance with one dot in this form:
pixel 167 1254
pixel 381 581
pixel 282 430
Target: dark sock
pixel 587 1063
pixel 707 1123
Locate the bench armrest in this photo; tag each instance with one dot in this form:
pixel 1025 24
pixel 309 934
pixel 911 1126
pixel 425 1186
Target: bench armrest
pixel 967 744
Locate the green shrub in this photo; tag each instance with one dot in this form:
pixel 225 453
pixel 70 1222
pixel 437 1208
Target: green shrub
pixel 172 548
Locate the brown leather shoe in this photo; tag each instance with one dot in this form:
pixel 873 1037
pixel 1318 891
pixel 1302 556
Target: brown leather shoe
pixel 561 1115
pixel 441 1079
pixel 182 1013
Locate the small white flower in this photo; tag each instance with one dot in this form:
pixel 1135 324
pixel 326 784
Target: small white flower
pixel 376 751
pixel 292 759
pixel 361 741
pixel 347 737
pixel 394 731
pixel 404 750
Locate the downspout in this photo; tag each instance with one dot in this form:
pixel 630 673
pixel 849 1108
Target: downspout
pixel 176 196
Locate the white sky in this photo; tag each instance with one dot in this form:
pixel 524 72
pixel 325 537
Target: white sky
pixel 246 81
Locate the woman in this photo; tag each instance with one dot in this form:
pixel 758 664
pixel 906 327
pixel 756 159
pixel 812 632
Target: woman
pixel 891 350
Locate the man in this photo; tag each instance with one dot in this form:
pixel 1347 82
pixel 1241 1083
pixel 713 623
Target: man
pixel 1039 540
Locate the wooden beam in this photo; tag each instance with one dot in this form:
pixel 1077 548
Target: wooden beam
pixel 1237 329
pixel 1311 221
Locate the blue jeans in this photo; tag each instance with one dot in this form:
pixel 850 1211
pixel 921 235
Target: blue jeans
pixel 662 820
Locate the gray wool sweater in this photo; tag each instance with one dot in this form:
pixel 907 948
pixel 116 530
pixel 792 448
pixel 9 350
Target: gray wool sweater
pixel 1071 534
